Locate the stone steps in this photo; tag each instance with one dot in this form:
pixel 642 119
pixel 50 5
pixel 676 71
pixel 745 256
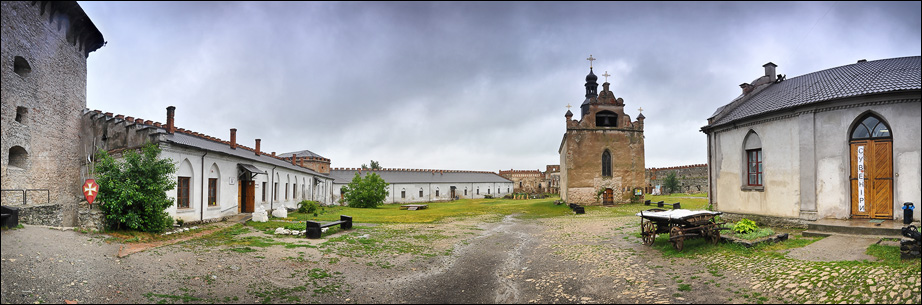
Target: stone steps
pixel 859 227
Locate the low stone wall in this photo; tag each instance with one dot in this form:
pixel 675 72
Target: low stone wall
pixel 749 243
pixel 90 217
pixel 770 221
pixel 909 248
pixel 45 215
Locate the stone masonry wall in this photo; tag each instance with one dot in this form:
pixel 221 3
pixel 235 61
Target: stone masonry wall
pixel 44 50
pixel 692 178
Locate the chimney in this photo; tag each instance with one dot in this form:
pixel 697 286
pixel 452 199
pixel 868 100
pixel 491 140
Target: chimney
pixel 770 71
pixel 293 158
pixel 746 88
pixel 233 139
pixel 170 111
pixel 257 146
pixel 273 154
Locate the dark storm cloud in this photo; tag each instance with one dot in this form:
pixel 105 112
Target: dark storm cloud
pixel 463 85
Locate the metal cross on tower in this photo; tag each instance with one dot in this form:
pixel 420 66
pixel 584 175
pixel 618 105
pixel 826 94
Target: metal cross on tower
pixel 606 75
pixel 590 59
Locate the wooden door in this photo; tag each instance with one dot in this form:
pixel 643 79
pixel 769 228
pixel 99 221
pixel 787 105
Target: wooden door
pixel 871 179
pixel 246 196
pixel 608 197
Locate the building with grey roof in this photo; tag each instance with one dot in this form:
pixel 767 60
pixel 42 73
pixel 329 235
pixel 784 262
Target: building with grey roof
pixel 427 185
pixel 215 178
pixel 309 159
pixel 838 143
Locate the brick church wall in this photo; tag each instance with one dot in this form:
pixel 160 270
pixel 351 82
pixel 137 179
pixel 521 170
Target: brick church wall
pixel 583 162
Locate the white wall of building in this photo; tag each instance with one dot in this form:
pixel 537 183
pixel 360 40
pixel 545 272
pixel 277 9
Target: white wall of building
pixel 193 162
pixel 430 190
pixel 807 162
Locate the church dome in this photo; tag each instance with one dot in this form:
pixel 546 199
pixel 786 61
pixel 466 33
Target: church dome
pixel 591 78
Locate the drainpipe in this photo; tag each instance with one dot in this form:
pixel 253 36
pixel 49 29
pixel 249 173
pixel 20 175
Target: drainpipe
pixel 202 210
pixel 710 179
pixel 272 186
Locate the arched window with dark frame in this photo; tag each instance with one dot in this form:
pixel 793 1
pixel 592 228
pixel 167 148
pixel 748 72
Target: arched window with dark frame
pixel 871 127
pixel 606 164
pixel 754 166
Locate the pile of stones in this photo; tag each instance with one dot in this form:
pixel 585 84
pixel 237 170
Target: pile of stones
pixel 910 244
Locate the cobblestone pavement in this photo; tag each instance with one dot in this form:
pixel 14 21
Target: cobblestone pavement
pixel 590 258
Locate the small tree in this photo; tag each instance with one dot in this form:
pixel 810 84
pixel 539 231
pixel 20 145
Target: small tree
pixel 374 165
pixel 366 192
pixel 132 191
pixel 671 182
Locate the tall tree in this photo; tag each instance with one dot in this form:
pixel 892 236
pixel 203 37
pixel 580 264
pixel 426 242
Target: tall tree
pixel 671 183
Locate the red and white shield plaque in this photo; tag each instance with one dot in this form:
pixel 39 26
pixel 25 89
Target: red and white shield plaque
pixel 90 190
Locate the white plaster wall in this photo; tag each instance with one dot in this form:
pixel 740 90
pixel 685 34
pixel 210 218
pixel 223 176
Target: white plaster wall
pixel 228 184
pixel 833 157
pixel 780 196
pixel 412 191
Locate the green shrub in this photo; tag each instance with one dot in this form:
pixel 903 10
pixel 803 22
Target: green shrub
pixel 367 192
pixel 756 234
pixel 132 190
pixel 745 226
pixel 307 206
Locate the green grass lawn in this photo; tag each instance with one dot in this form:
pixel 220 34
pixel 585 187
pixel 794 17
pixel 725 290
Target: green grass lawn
pixel 391 213
pixel 529 208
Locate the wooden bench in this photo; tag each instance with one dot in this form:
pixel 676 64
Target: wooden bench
pixel 413 207
pixel 10 217
pixel 577 208
pixel 674 206
pixel 314 229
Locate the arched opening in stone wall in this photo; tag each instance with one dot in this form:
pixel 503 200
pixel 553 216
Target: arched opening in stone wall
pixel 21 66
pixel 21 113
pixel 19 158
pixel 606 118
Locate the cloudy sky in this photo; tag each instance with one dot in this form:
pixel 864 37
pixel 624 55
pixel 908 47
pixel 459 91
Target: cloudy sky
pixel 472 86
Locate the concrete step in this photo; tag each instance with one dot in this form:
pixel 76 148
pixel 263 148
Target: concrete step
pixel 809 233
pixel 860 227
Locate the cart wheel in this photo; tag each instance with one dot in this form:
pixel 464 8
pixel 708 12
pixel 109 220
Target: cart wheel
pixel 713 236
pixel 677 238
pixel 648 231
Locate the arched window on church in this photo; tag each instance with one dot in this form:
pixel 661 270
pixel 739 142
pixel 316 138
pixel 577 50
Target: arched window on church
pixel 606 118
pixel 606 164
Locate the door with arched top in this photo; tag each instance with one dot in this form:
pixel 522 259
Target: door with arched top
pixel 871 174
pixel 608 197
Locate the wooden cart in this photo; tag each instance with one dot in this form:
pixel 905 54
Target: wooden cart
pixel 680 224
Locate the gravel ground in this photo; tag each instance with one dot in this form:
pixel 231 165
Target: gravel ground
pixel 571 259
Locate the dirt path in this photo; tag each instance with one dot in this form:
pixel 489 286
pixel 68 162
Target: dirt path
pixel 570 259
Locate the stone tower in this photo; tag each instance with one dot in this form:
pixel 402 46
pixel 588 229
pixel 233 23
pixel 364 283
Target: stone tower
pixel 45 47
pixel 602 153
